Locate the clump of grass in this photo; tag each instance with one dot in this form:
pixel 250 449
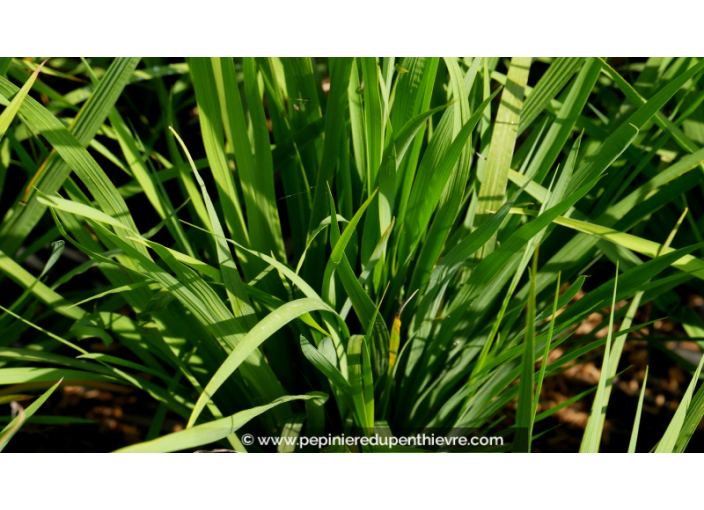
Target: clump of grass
pixel 356 261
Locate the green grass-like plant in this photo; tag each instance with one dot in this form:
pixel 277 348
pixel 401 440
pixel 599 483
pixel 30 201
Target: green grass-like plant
pixel 367 245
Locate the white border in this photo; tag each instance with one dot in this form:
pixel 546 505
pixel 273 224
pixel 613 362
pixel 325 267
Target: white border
pixel 338 28
pixel 339 481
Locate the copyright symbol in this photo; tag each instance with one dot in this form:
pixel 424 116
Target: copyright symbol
pixel 247 439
